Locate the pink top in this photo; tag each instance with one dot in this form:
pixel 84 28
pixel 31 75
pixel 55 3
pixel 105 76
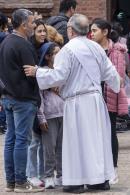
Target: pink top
pixel 116 53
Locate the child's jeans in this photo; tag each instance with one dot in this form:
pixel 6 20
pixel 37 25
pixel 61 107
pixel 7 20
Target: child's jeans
pixel 35 164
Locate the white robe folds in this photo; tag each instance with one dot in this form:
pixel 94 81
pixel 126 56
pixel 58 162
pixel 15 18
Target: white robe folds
pixel 87 155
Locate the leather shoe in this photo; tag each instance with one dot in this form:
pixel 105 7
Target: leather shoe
pixel 103 186
pixel 74 189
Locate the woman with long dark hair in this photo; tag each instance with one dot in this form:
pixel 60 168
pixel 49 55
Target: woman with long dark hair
pixel 116 103
pixel 35 166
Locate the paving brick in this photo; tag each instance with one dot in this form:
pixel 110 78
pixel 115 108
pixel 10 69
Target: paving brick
pixel 122 188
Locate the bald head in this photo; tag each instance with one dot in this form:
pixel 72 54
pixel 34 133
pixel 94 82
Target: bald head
pixel 79 23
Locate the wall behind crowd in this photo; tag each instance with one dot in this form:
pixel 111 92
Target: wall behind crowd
pixel 91 8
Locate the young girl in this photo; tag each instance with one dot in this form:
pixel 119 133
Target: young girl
pixel 108 39
pixel 51 123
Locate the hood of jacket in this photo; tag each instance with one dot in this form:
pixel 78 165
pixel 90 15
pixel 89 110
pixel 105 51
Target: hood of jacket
pixel 117 46
pixel 56 19
pixel 43 50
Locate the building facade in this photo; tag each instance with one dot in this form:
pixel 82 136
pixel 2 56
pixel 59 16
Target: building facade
pixel 91 8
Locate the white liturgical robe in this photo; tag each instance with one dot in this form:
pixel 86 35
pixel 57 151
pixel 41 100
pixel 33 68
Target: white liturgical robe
pixel 79 68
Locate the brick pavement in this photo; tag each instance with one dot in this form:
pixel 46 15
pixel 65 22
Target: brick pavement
pixel 122 188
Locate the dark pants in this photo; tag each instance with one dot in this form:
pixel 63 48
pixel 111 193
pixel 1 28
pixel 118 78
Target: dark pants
pixel 114 138
pixel 52 147
pixel 2 118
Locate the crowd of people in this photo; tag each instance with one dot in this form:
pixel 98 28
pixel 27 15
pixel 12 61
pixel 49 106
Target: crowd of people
pixel 62 88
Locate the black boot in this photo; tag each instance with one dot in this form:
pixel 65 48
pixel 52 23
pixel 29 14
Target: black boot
pixel 103 186
pixel 74 189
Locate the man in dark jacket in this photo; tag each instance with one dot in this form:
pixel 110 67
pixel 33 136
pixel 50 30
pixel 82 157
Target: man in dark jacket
pixel 20 99
pixel 66 10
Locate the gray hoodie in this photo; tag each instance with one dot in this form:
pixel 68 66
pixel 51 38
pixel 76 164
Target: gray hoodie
pixel 51 106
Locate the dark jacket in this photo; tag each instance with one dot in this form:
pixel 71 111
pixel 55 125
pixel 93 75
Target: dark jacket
pixel 2 36
pixel 15 52
pixel 60 24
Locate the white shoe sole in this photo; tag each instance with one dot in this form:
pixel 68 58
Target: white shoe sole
pixel 9 190
pixel 28 190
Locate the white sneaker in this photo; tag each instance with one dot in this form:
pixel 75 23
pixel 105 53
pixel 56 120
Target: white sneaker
pixel 58 181
pixel 27 188
pixel 49 183
pixel 114 180
pixel 36 182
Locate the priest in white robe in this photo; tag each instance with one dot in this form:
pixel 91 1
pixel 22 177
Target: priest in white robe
pixel 79 68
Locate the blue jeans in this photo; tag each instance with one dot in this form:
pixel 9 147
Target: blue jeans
pixel 19 116
pixel 35 164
